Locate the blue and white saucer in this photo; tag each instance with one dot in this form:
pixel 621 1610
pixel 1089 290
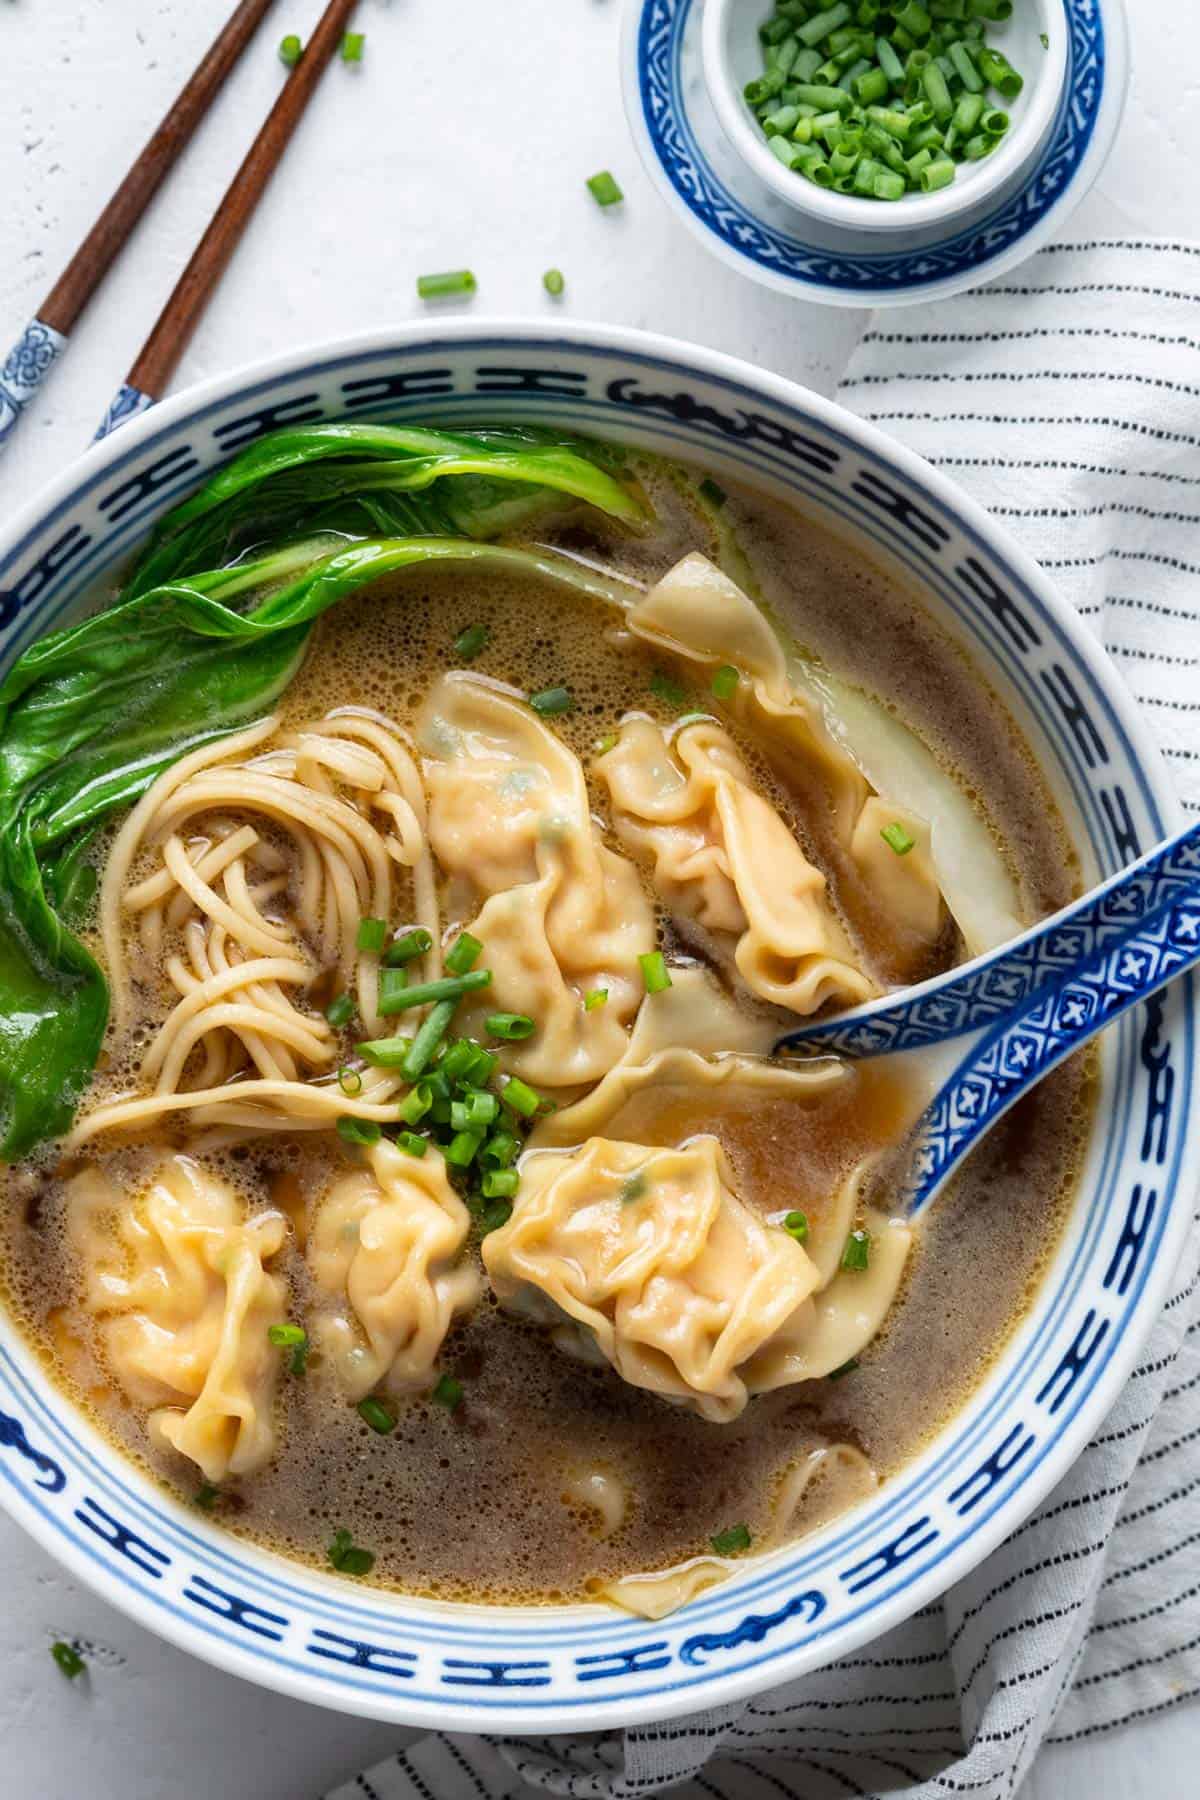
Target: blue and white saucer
pixel 726 205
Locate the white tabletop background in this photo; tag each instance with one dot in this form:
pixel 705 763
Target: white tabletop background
pixel 464 137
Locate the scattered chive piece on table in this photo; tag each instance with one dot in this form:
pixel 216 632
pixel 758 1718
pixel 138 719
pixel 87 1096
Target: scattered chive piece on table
pixel 596 997
pixel 339 1012
pixel 655 974
pixel 510 1027
pixel 551 700
pixel 347 1557
pixel 796 1226
pixel 448 1393
pixel 463 954
pixel 470 642
pixel 731 1542
pixel 851 95
pixel 291 50
pixel 712 491
pixel 604 189
pixel 449 285
pixel 847 1368
pixel 350 1081
pixel 372 935
pixel 896 838
pixel 352 46
pixel 374 1413
pixel 724 682
pixel 358 1131
pixel 857 1254
pixel 404 949
pixel 68 1659
pixel 554 282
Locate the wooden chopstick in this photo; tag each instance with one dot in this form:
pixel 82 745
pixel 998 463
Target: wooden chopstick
pixel 45 337
pixel 159 356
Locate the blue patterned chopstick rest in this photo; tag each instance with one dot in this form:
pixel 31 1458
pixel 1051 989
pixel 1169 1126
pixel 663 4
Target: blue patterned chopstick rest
pixel 25 368
pixel 125 404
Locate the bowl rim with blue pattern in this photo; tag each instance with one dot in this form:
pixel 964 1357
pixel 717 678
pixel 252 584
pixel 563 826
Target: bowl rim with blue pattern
pixel 474 1668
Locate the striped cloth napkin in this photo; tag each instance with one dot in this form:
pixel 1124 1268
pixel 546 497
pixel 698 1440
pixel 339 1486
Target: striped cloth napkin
pixel 1067 399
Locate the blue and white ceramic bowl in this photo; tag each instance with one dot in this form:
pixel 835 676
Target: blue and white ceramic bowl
pixel 710 174
pixel 584 1667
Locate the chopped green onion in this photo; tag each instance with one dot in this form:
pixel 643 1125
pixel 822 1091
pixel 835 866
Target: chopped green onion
pixel 416 1103
pixel 206 1496
pixel 432 1031
pixel 897 839
pixel 375 1414
pixel 604 744
pixel 463 1147
pixel 712 491
pixel 604 189
pixel 339 1012
pixel 522 1098
pixel 655 973
pixel 499 1150
pixel 796 1226
pixel 447 285
pixel 291 50
pixel 475 1112
pixel 447 1392
pixel 724 682
pixel 938 174
pixel 732 1541
pixel 372 935
pixel 499 1184
pixel 293 1338
pixel 857 1253
pixel 470 642
pixel 554 282
pixel 411 1143
pixel 422 992
pixel 68 1659
pixel 358 1131
pixel 595 997
pixel 347 1557
pixel 385 1053
pixel 495 1217
pixel 551 700
pixel 665 687
pixel 392 983
pixel 511 1027
pixel 350 1081
pixel 404 949
pixel 464 953
pixel 352 46
pixel 846 1368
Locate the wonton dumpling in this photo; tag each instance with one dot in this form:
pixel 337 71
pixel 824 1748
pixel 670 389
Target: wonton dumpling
pixel 385 1245
pixel 723 857
pixel 905 887
pixel 177 1284
pixel 650 1254
pixel 561 913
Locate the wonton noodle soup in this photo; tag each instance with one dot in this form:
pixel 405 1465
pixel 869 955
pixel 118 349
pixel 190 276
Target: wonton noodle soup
pixel 435 1205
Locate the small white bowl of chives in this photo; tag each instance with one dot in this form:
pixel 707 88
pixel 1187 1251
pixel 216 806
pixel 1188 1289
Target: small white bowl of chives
pixel 885 115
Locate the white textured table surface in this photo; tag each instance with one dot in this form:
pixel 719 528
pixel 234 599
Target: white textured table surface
pixel 464 137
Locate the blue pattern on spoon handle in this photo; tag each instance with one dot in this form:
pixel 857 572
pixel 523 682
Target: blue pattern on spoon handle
pixel 125 404
pixel 25 368
pixel 1007 981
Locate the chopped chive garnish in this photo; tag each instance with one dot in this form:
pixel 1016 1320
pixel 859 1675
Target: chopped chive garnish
pixel 206 1496
pixel 358 1131
pixel 796 1226
pixel 448 285
pixel 724 682
pixel 499 1150
pixel 511 1027
pixel 448 1392
pixel 416 1103
pixel 857 1254
pixel 391 983
pixel 433 1029
pixel 712 491
pixel 475 1112
pixel 411 1143
pixel 404 949
pixel 290 50
pixel 347 1557
pixel 68 1659
pixel 449 987
pixel 897 839
pixel 594 998
pixel 665 687
pixel 731 1542
pixel 385 1053
pixel 846 1368
pixel 372 935
pixel 339 1012
pixel 554 282
pixel 375 1414
pixel 352 46
pixel 495 1216
pixel 522 1098
pixel 551 700
pixel 604 189
pixel 463 1148
pixel 604 744
pixel 499 1184
pixel 655 973
pixel 350 1081
pixel 470 642
pixel 463 954
pixel 293 1338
